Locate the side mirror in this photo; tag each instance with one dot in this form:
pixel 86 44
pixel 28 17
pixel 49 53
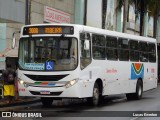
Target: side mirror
pixel 14 39
pixel 86 45
pixel 13 42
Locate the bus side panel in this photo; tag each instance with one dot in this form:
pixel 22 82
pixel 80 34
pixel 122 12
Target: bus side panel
pixel 150 76
pixel 115 78
pixel 118 74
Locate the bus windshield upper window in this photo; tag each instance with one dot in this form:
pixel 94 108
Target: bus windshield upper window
pixel 48 53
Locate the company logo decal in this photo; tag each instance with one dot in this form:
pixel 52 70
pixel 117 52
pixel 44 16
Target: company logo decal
pixel 137 71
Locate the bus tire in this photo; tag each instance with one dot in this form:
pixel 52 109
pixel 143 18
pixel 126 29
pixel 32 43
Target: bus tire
pixel 46 101
pixel 139 90
pixel 138 94
pixel 94 100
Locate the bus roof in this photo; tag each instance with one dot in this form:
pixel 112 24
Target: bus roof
pixel 119 34
pixel 101 31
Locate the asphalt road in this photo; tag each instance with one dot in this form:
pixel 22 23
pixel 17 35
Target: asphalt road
pixel 113 108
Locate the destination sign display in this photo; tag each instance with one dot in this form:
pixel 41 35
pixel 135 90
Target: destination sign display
pixel 48 30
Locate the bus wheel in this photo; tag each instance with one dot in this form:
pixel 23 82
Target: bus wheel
pixel 46 101
pixel 139 90
pixel 138 94
pixel 94 100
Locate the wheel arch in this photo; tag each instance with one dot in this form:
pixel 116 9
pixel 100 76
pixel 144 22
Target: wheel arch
pixel 140 80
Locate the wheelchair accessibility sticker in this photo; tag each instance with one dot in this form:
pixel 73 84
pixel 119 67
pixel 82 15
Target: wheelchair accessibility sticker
pixel 49 65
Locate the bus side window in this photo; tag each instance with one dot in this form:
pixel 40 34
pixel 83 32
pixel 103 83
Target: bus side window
pixel 143 48
pixel 98 46
pixel 134 53
pixel 152 52
pixel 111 48
pixel 123 51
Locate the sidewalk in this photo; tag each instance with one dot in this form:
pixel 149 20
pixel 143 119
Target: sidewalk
pixel 20 101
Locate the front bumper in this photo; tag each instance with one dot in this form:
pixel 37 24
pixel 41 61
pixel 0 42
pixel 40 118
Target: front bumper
pixel 81 89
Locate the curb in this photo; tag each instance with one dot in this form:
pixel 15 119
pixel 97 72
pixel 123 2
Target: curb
pixel 25 101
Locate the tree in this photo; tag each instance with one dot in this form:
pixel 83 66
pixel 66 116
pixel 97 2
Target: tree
pixel 125 15
pixel 104 11
pixel 125 4
pixel 154 10
pixel 153 6
pixel 143 10
pixel 85 12
pixel 141 7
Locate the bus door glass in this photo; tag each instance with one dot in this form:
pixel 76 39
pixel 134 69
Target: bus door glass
pixel 85 40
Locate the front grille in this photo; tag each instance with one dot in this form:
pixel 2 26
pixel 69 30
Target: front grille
pixel 45 77
pixel 51 93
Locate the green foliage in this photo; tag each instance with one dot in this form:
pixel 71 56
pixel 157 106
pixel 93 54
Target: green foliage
pixel 153 6
pixel 142 7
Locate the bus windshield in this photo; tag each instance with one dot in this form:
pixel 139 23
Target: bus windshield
pixel 48 53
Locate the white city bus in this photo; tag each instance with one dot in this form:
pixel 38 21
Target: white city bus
pixel 74 61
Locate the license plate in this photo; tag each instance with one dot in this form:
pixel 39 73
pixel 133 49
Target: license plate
pixel 45 92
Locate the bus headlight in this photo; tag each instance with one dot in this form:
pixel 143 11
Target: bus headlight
pixel 21 82
pixel 71 83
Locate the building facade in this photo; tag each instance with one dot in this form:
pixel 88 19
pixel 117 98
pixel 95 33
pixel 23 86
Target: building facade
pixel 13 17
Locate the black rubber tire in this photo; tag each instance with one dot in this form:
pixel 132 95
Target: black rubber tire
pixel 46 101
pixel 95 99
pixel 138 94
pixel 139 91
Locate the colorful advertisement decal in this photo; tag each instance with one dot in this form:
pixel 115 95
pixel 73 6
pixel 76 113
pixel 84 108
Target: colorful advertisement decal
pixel 137 71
